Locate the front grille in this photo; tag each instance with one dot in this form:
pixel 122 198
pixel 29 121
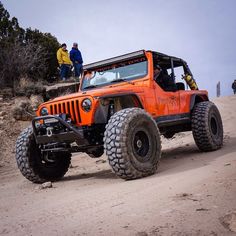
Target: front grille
pixel 70 107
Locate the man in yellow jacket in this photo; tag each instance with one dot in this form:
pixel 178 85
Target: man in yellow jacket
pixel 64 61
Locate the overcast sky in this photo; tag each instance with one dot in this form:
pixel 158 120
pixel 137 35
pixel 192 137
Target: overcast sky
pixel 202 32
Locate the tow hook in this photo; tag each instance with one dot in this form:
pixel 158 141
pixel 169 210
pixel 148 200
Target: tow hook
pixel 49 131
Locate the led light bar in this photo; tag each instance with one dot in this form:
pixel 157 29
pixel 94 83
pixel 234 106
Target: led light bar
pixel 114 60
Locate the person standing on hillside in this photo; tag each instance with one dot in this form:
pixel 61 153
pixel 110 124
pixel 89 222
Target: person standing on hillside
pixel 76 58
pixel 64 62
pixel 234 86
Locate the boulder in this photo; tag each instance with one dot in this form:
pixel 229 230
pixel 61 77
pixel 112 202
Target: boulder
pixel 47 185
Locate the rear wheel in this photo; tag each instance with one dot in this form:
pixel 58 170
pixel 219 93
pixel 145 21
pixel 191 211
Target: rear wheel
pixel 34 165
pixel 132 143
pixel 207 126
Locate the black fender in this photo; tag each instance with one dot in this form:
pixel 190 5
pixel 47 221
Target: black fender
pixel 196 98
pixel 126 100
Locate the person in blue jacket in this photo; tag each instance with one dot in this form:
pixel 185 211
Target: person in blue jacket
pixel 76 58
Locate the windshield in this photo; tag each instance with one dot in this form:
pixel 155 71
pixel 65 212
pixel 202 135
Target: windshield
pixel 124 71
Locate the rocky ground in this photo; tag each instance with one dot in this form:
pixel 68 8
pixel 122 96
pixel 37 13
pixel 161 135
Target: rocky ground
pixel 192 194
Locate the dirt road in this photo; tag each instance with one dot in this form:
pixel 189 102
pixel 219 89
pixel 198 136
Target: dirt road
pixel 192 194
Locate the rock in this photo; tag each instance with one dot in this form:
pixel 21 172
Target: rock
pixel 47 185
pixel 101 161
pixel 143 233
pixel 61 89
pixel 3 113
pixel 44 186
pixel 38 187
pixel 227 164
pixel 229 221
pixel 1 98
pixel 202 209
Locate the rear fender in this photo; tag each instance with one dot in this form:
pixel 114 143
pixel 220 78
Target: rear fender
pixel 196 98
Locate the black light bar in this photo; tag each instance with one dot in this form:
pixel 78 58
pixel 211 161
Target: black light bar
pixel 114 60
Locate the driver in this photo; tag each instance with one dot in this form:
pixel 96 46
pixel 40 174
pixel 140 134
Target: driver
pixel 164 80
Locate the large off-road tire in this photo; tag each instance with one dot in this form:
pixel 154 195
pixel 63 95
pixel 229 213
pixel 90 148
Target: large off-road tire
pixel 132 143
pixel 32 164
pixel 207 126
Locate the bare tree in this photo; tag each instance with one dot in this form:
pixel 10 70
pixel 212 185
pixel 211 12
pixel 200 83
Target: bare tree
pixel 21 61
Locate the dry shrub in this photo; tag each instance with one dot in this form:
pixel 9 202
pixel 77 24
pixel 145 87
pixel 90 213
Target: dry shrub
pixel 27 87
pixel 22 110
pixel 35 101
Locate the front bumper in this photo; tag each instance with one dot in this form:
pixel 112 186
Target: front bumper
pixel 59 132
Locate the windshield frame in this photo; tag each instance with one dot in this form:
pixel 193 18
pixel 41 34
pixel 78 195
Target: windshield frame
pixel 112 66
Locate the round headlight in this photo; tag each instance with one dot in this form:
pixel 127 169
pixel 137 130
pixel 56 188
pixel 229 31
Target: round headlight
pixel 86 104
pixel 44 111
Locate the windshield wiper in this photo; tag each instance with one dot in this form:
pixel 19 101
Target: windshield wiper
pixel 122 80
pixel 90 86
pixel 119 80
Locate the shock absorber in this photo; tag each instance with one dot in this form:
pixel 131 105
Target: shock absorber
pixel 111 109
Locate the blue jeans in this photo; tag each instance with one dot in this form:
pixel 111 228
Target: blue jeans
pixel 77 68
pixel 64 71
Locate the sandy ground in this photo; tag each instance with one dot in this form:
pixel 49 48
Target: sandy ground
pixel 192 194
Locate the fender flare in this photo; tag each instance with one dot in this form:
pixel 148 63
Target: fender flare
pixel 196 98
pixel 101 113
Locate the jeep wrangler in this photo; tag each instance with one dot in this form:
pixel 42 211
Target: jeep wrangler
pixel 121 109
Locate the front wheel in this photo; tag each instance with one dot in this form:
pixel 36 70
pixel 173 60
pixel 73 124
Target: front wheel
pixel 34 165
pixel 132 143
pixel 207 126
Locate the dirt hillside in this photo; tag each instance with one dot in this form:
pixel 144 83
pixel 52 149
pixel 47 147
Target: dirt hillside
pixel 9 130
pixel 192 194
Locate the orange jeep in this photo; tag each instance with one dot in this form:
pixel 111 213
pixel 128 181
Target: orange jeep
pixel 122 107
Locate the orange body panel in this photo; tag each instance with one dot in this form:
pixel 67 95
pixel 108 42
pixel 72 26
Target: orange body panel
pixel 154 99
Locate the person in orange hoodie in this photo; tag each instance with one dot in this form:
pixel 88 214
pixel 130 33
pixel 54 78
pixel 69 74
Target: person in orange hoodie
pixel 64 61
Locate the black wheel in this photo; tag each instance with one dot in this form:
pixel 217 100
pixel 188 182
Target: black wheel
pixel 207 126
pixel 35 166
pixel 132 143
pixel 96 153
